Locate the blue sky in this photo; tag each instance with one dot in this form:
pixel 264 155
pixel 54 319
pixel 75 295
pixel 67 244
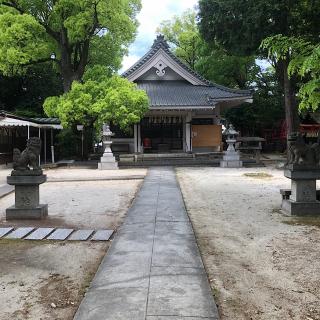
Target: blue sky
pixel 150 17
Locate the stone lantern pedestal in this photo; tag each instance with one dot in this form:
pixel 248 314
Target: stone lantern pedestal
pixel 231 158
pixel 302 200
pixel 107 161
pixel 26 196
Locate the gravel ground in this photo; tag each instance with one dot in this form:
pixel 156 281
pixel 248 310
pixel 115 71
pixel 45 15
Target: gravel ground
pixel 261 264
pixel 46 280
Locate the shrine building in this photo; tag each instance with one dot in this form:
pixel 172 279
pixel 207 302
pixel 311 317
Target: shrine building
pixel 184 112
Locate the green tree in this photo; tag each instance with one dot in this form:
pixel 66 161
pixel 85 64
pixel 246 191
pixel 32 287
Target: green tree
pixel 217 65
pixel 210 60
pixel 99 100
pixel 240 26
pixel 71 33
pixel 183 34
pixel 305 63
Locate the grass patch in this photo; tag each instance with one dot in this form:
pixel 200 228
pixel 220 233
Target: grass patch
pixel 258 175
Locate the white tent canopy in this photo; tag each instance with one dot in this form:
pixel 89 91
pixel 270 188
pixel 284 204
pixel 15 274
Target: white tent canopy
pixel 12 121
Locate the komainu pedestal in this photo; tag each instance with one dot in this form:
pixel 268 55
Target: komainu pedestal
pixel 27 204
pixel 303 168
pixel 26 182
pixel 303 198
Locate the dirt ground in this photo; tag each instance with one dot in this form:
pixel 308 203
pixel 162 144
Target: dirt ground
pixel 46 280
pixel 261 264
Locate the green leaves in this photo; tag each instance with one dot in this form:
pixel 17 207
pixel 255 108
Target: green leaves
pixel 22 41
pixel 115 99
pixel 79 32
pixel 182 31
pixel 304 62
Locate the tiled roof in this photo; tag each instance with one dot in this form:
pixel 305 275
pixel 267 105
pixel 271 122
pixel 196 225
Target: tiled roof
pixel 4 113
pixel 161 43
pixel 46 120
pixel 182 93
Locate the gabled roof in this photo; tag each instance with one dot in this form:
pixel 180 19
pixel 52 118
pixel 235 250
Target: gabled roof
pixel 160 46
pixel 161 43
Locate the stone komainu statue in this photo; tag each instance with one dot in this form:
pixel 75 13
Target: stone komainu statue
pixel 28 157
pixel 302 153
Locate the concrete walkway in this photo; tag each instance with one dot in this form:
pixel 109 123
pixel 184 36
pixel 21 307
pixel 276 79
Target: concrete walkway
pixel 5 190
pixel 153 270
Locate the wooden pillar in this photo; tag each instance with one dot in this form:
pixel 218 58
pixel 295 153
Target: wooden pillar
pixel 135 138
pixel 45 144
pixel 139 137
pixel 52 147
pixel 188 132
pixel 39 133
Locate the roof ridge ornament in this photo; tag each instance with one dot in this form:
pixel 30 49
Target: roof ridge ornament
pixel 160 41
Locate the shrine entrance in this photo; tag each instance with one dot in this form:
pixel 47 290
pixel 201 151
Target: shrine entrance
pixel 162 134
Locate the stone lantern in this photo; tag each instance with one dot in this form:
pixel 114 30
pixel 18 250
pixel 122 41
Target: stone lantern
pixel 107 161
pixel 231 158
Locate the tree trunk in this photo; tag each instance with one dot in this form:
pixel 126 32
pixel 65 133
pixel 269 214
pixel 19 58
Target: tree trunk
pixel 74 59
pixel 290 101
pixel 68 78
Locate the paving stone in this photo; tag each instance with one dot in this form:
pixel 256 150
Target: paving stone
pixel 182 252
pixel 178 318
pixel 5 231
pixel 19 233
pixel 183 292
pixel 81 235
pixel 60 234
pixel 170 228
pixel 102 235
pixel 114 304
pixel 122 276
pixel 39 234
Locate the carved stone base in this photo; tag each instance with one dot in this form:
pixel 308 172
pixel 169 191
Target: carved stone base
pixel 108 162
pixel 107 166
pixel 230 164
pixel 300 208
pixel 38 213
pixel 27 198
pixel 231 159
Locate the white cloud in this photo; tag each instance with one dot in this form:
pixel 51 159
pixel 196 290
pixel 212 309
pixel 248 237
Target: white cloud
pixel 129 61
pixel 150 17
